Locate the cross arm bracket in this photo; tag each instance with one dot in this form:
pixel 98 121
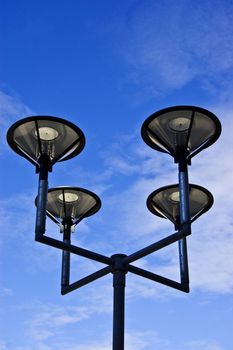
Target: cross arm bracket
pixel 184 287
pixel 88 279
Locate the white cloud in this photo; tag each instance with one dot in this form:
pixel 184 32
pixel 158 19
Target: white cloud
pixel 11 107
pixel 18 219
pixel 203 344
pixel 172 43
pixel 11 110
pixel 6 292
pixel 144 340
pixel 47 320
pixel 133 341
pixel 2 345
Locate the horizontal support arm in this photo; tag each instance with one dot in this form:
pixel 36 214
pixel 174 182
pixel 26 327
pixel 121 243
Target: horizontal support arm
pixel 156 246
pixel 75 250
pixel 157 278
pixel 88 279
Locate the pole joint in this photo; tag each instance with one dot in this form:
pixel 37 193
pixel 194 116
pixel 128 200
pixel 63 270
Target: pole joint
pixel 182 158
pixel 118 264
pixel 44 165
pixel 186 229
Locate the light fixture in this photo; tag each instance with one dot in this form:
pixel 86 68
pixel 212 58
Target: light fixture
pixel 50 138
pixel 165 202
pixel 70 205
pixel 187 129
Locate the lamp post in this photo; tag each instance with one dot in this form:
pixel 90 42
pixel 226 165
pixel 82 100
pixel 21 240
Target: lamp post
pixel 181 131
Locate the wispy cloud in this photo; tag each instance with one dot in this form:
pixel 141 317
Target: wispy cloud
pixel 11 110
pixel 50 319
pixel 133 341
pixel 46 324
pixel 2 345
pixel 6 292
pixel 171 48
pixel 203 344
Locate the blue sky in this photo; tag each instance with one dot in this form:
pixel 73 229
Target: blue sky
pixel 106 66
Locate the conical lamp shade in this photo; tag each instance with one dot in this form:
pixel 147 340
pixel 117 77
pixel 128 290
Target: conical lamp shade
pixel 53 137
pixel 70 204
pixel 165 202
pixel 178 128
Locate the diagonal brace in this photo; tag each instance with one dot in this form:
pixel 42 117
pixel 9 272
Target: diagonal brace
pixel 158 245
pixel 184 287
pixel 88 279
pixel 74 249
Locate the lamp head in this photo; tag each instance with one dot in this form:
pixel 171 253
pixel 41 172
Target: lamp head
pixel 45 137
pixel 165 202
pixel 68 205
pixel 186 129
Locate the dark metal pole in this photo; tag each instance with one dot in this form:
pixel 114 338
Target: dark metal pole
pixel 65 273
pixel 73 249
pixel 184 270
pixel 184 190
pixel 42 199
pixel 184 215
pixel 157 278
pixel 119 272
pixel 86 280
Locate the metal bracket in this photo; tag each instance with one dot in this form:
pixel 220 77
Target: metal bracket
pixel 119 262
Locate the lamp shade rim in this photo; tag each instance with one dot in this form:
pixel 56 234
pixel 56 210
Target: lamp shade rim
pixel 210 141
pixel 92 211
pixel 78 189
pixel 156 211
pixel 17 149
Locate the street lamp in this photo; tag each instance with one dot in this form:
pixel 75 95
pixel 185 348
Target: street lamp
pixel 181 131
